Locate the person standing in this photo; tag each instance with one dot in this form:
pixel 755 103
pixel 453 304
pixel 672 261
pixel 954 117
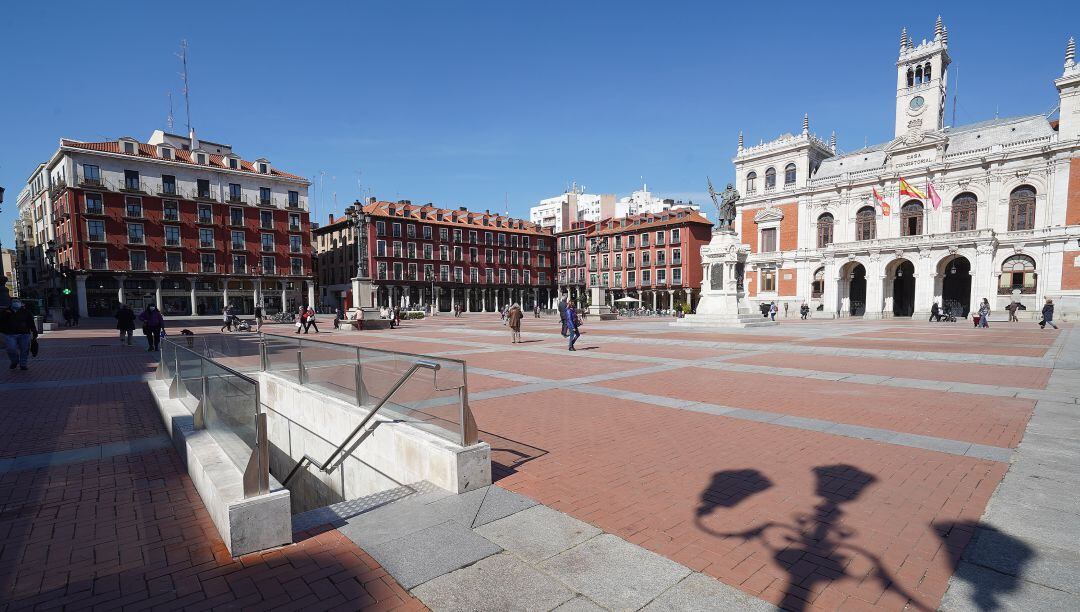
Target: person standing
pixel 573 324
pixel 309 321
pixel 1013 305
pixel 67 316
pixel 226 319
pixel 536 311
pixel 152 324
pixel 772 311
pixel 17 326
pixel 75 317
pixel 562 314
pixel 125 322
pixel 513 319
pixel 984 313
pixel 301 320
pixel 1048 315
pixel 258 318
pixel 804 311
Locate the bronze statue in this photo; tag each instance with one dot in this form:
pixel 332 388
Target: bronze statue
pixel 725 206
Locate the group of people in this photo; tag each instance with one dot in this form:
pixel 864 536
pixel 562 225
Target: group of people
pixel 305 320
pixel 982 315
pixel 153 325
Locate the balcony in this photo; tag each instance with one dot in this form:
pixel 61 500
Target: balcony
pixel 93 182
pixel 134 186
pixel 172 242
pixel 205 196
pixel 239 246
pixel 676 261
pixel 206 244
pixel 295 249
pixel 168 190
pixel 300 272
pixel 236 198
pixel 294 227
pixel 676 282
pixel 206 268
pixel 136 239
pixel 174 267
pixel 170 216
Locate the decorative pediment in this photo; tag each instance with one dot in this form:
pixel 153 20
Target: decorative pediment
pixel 769 215
pixel 916 139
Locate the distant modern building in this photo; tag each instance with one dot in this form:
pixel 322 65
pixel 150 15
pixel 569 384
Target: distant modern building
pixel 643 202
pixel 560 212
pixel 946 214
pixel 185 224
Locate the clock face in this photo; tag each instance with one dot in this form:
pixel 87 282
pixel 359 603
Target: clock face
pixel 917 102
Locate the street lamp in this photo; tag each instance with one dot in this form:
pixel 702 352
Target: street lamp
pixel 50 258
pixel 429 276
pixel 363 288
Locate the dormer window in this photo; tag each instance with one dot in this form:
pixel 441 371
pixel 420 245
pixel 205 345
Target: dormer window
pixel 264 168
pixel 166 153
pixel 129 147
pixel 200 158
pixel 234 163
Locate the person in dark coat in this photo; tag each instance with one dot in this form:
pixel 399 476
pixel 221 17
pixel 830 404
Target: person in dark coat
pixel 572 324
pixel 1048 315
pixel 562 314
pixel 17 326
pixel 125 322
pixel 152 324
pixel 513 319
pixel 935 312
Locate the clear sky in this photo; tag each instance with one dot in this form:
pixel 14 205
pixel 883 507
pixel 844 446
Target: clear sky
pixel 474 103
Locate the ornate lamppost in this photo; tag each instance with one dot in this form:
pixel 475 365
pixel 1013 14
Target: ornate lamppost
pixel 363 287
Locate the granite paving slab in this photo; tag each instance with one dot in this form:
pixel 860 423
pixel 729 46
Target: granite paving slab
pixel 538 533
pixel 700 592
pixel 429 553
pixel 498 582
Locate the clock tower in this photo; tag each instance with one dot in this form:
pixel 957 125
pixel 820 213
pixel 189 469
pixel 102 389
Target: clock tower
pixel 921 80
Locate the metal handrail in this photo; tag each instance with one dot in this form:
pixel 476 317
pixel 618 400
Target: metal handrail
pixel 430 365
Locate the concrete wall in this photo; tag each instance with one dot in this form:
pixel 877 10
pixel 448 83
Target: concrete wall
pixel 300 420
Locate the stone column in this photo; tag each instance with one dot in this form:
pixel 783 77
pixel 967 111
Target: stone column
pixel 157 292
pixel 120 290
pixel 925 279
pixel 80 294
pixel 453 299
pixel 284 301
pixel 671 297
pixel 875 288
pixel 830 297
pixel 468 299
pixel 984 279
pixel 310 292
pixel 536 297
pixel 194 302
pixel 256 289
pixel 224 295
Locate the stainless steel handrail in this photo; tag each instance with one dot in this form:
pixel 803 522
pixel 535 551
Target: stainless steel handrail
pixel 430 365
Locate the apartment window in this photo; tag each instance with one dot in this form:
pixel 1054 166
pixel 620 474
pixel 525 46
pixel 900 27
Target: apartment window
pixel 444 252
pixel 768 240
pixel 174 262
pixel 429 272
pixel 206 214
pixel 457 235
pixel 474 275
pixel 457 253
pixel 170 211
pixel 264 196
pixel 528 277
pixel 676 257
pixel 646 259
pixel 427 251
pixel 526 257
pixel 444 234
pixel 525 241
pixel 137 259
pixel 380 228
pixel 207 262
pixel 444 273
pixel 661 258
pixel 239 264
pixel 94 204
pixel 659 238
pixel 172 235
pixel 514 240
pixel 618 242
pixel 238 240
pixel 502 239
pixel 661 277
pixel 676 276
pixel 267 242
pixel 631 241
pixel 166 154
pixel 91 174
pixel 489 238
pixel 562 243
pixel 410 230
pixel 631 278
pixel 131 180
pixel 824 230
pixel 294 223
pixel 266 219
pixel 502 257
pixel 768 280
pixel 380 248
pixel 294 198
pixel 514 258
pixel 206 237
pixel 489 275
pixel 382 270
pixel 235 193
pixel 234 163
pixel 295 243
pixel 644 240
pixel 646 277
pixel 203 188
pixel 263 168
pixel 427 232
pixel 502 276
pixel 200 158
pixel 618 279
pixel 541 260
pixel 133 207
pixel 676 236
pixel 513 277
pixel 397 249
pixel 296 266
pixel 395 230
pixel 99 259
pixel 269 265
pixel 168 184
pixel 236 216
pixel 95 230
pixel 399 271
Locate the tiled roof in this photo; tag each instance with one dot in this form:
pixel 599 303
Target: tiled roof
pixel 179 155
pixel 650 220
pixel 428 213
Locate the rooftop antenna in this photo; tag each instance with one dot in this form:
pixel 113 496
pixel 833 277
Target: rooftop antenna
pixel 184 77
pixel 956 92
pixel 169 119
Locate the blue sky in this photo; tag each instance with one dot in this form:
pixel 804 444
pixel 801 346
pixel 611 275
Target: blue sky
pixel 471 103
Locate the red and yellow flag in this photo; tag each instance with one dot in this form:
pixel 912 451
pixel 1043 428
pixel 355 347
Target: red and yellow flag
pixel 881 200
pixel 908 190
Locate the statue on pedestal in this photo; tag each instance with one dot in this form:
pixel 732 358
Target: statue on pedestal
pixel 725 206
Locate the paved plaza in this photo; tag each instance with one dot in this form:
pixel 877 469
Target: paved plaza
pixel 826 465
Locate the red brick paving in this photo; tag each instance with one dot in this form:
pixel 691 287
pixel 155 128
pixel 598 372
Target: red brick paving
pixel 660 350
pixel 986 347
pixel 1009 376
pixel 983 419
pixel 553 366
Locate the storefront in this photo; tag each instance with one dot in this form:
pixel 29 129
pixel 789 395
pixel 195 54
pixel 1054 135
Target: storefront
pixel 175 297
pixel 102 296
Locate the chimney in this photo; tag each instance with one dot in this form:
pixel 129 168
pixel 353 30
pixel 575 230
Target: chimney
pixel 194 140
pixel 331 218
pixel 463 209
pixel 371 200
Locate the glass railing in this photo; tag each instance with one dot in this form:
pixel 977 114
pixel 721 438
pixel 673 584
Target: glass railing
pixel 224 402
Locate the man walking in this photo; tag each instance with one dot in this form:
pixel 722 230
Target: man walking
pixel 125 322
pixel 984 312
pixel 513 319
pixel 571 324
pixel 562 314
pixel 1048 314
pixel 17 325
pixel 1013 305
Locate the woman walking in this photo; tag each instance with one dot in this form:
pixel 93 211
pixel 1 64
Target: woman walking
pixel 125 322
pixel 984 312
pixel 226 319
pixel 513 319
pixel 309 321
pixel 1048 315
pixel 573 324
pixel 152 324
pixel 258 318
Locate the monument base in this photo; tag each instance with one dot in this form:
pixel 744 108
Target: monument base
pixel 723 302
pixel 723 320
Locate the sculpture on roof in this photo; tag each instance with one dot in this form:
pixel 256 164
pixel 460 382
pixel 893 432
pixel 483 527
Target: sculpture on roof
pixel 725 205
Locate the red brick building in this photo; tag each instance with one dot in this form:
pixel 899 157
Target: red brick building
pixel 572 248
pixel 185 224
pixel 477 260
pixel 655 257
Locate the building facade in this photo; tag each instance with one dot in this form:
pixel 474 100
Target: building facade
pixel 422 255
pixel 655 258
pixel 183 224
pixel 643 201
pixel 945 214
pixel 572 260
pixel 335 261
pixel 560 212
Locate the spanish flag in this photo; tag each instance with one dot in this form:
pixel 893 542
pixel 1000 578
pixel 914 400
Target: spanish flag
pixel 908 190
pixel 884 204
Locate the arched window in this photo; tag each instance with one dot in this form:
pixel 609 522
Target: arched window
pixel 865 224
pixel 918 75
pixel 817 288
pixel 911 218
pixel 770 178
pixel 751 180
pixel 1017 274
pixel 910 77
pixel 926 73
pixel 1022 208
pixel 824 230
pixel 964 207
pixel 789 174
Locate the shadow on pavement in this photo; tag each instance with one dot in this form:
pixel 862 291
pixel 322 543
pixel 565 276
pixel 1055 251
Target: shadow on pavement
pixel 1003 555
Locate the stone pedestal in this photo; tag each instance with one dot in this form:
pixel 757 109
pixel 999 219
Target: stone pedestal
pixel 598 306
pixel 363 291
pixel 723 302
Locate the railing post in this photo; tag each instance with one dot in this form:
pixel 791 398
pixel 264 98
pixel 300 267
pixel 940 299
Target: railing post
pixel 301 375
pixel 361 390
pixel 198 418
pixel 264 358
pixel 175 386
pixel 469 432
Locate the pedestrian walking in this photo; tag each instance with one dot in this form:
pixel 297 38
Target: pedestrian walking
pixel 258 318
pixel 1048 315
pixel 786 305
pixel 984 313
pixel 19 331
pixel 772 311
pixel 75 317
pixel 935 312
pixel 152 324
pixel 67 317
pixel 562 314
pixel 1013 305
pixel 536 311
pixel 125 322
pixel 804 311
pixel 513 319
pixel 226 319
pixel 301 319
pixel 309 321
pixel 573 324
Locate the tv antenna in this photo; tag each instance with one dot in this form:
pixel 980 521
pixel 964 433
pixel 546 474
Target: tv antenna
pixel 169 119
pixel 184 77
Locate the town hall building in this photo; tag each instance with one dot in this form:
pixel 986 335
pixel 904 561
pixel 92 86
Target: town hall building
pixel 945 214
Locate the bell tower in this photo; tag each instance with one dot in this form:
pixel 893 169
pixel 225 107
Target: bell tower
pixel 921 79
